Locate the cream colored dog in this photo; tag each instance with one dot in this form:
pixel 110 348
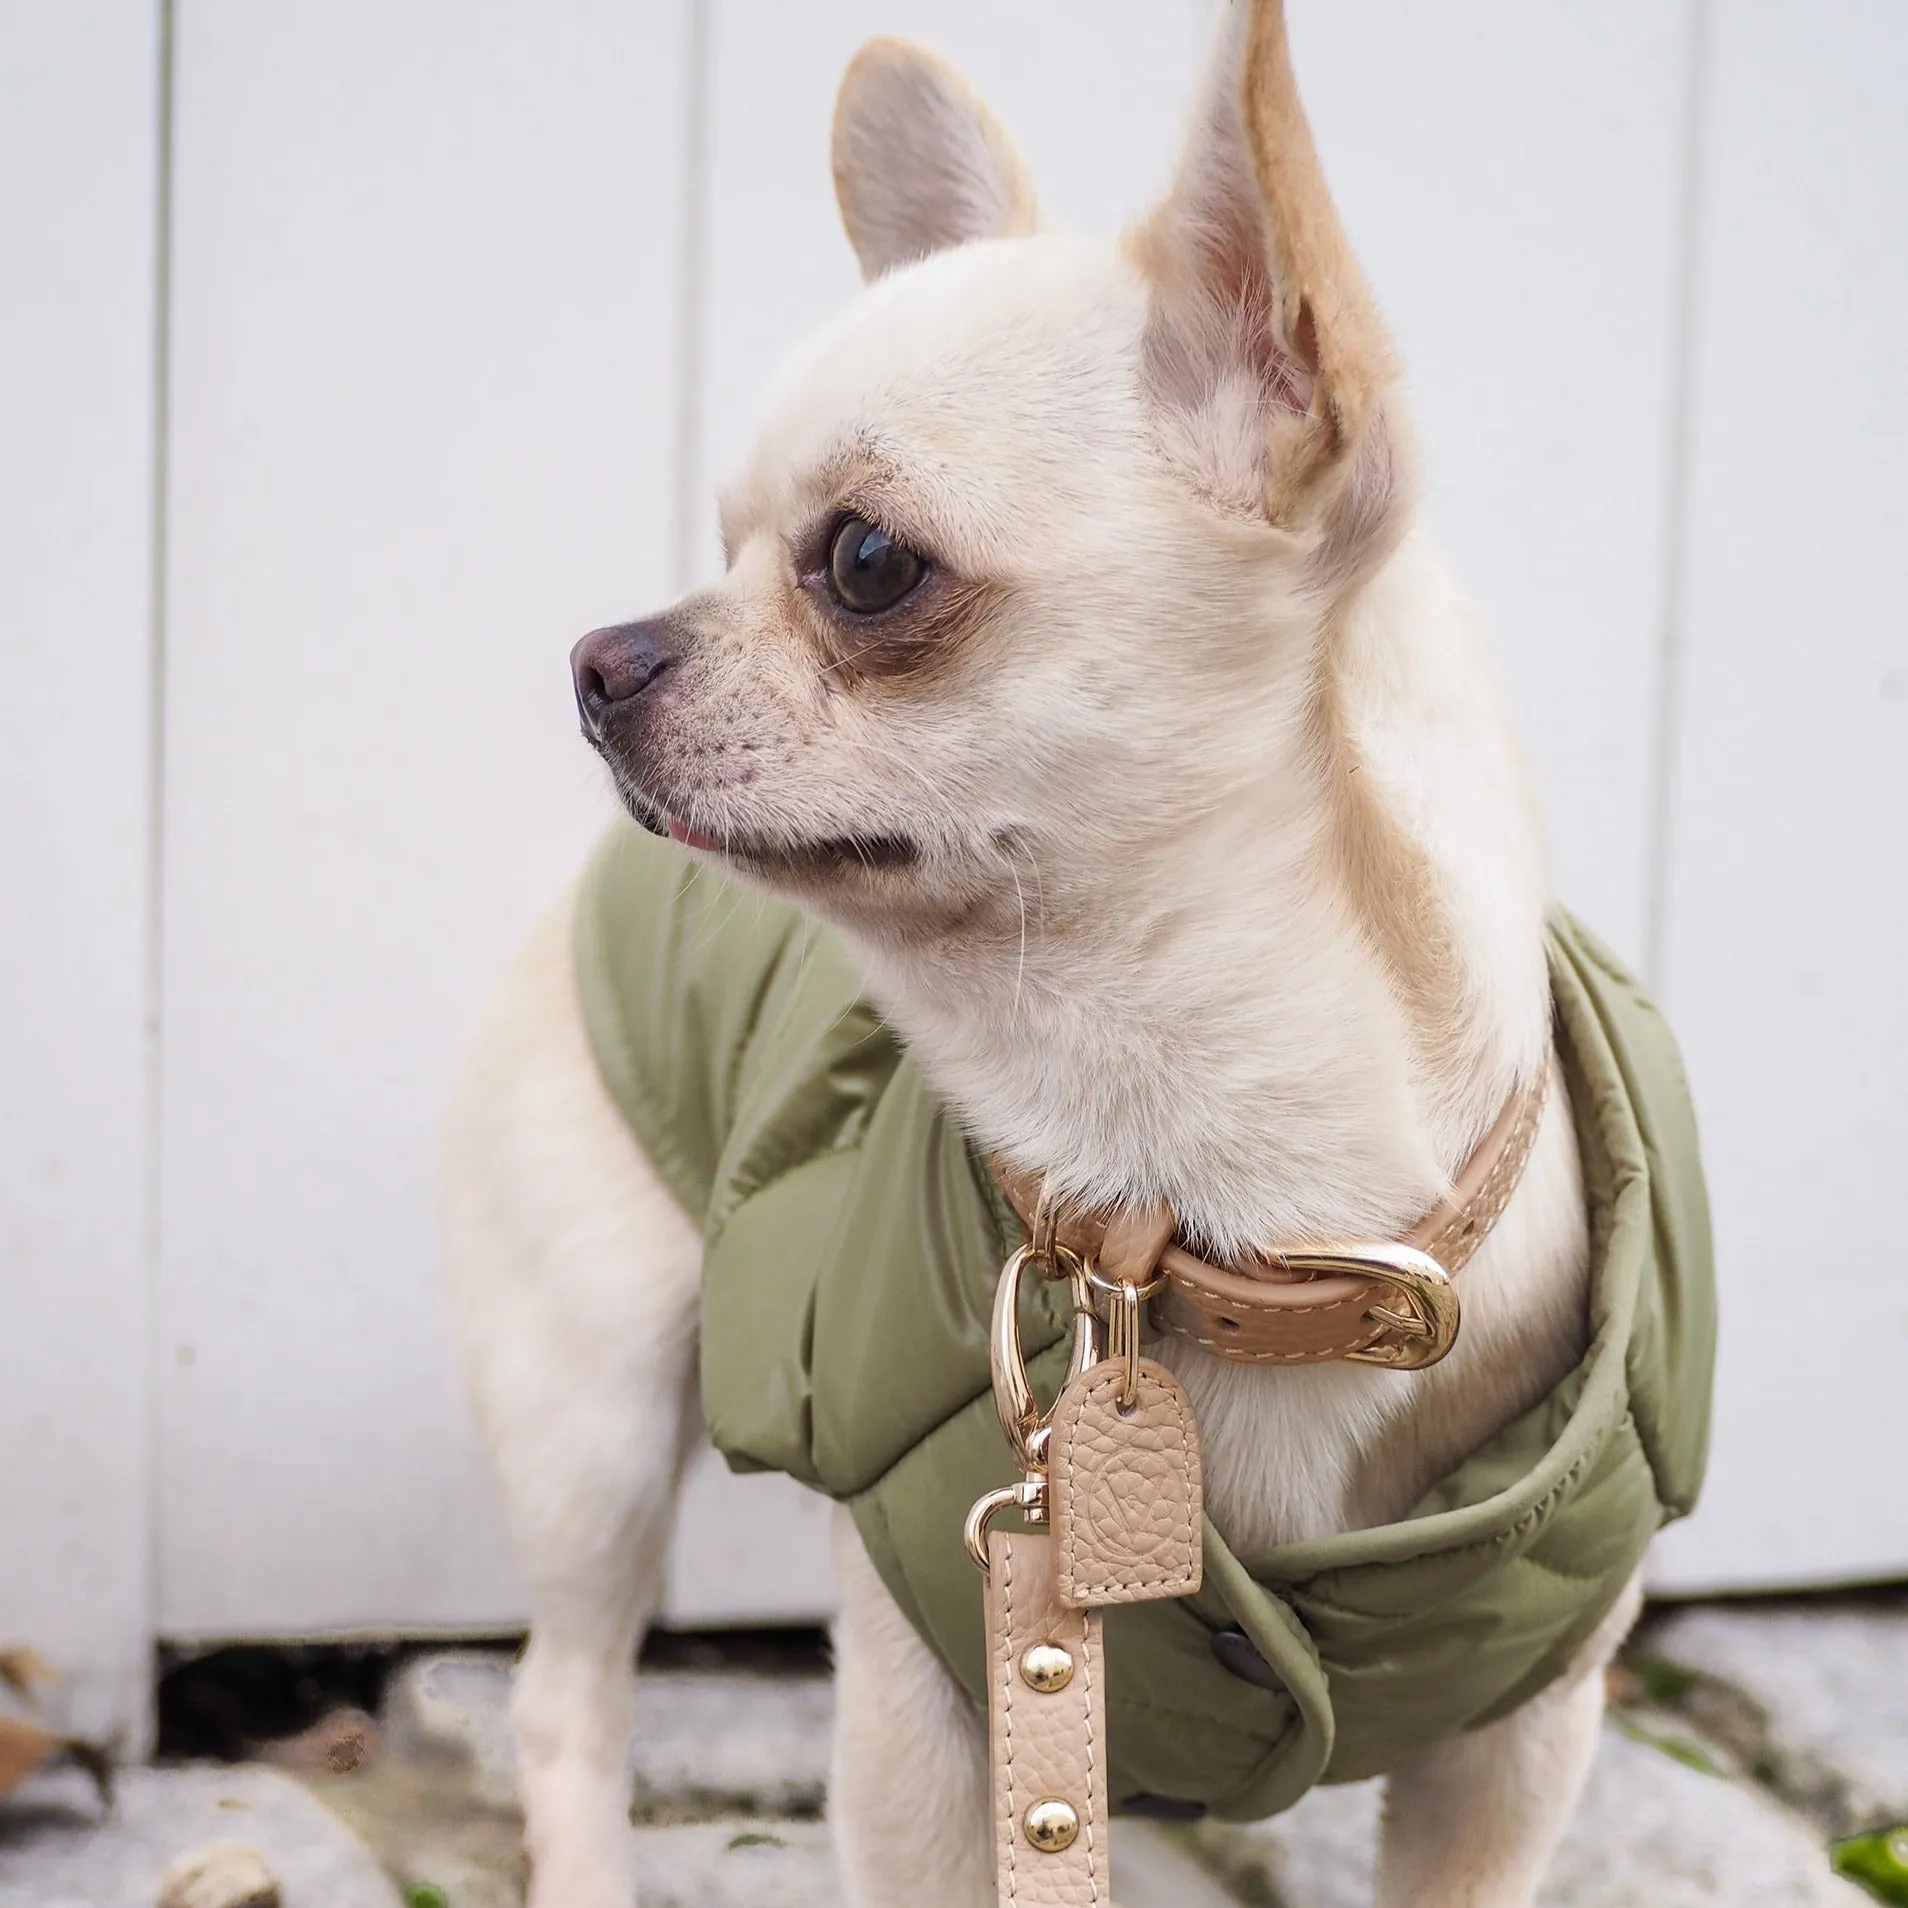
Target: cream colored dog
pixel 1078 656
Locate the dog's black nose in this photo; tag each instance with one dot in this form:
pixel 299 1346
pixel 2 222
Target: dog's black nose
pixel 616 664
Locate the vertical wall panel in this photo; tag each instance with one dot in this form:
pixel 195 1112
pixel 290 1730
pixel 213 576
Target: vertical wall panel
pixel 426 310
pixel 1511 173
pixel 79 88
pixel 1788 882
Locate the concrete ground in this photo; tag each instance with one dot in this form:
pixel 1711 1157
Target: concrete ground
pixel 1743 1741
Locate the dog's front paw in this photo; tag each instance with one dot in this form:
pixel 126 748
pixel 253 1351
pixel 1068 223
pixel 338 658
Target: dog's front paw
pixel 596 1869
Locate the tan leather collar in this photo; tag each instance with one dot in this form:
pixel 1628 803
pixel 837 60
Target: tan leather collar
pixel 1378 1302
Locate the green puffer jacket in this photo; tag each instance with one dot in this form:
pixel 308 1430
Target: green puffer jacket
pixel 852 1241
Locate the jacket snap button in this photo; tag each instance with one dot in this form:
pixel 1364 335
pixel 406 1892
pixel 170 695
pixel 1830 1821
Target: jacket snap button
pixel 1046 1667
pixel 1237 1652
pixel 1052 1825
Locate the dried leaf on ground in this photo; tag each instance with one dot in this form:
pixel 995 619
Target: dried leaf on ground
pixel 25 1747
pixel 341 1743
pixel 25 1671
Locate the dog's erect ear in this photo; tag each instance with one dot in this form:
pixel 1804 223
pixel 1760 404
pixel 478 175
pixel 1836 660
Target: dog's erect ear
pixel 1264 342
pixel 920 162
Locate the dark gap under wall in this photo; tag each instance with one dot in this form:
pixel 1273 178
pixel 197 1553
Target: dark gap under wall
pixel 226 1703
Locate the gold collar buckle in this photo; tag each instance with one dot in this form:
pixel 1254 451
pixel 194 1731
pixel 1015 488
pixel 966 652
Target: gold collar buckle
pixel 1424 1325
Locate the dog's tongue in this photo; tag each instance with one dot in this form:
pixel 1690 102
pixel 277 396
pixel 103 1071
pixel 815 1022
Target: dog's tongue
pixel 682 832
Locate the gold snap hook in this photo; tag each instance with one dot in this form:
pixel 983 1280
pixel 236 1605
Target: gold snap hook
pixel 1019 1411
pixel 1025 1424
pixel 1029 1497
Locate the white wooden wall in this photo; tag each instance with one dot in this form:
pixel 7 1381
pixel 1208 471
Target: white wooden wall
pixel 79 143
pixel 1785 871
pixel 469 304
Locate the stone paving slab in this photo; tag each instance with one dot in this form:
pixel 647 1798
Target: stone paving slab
pixel 728 1776
pixel 747 1864
pixel 706 1741
pixel 57 1851
pixel 748 1749
pixel 1827 1696
pixel 1652 1833
pixel 768 1864
pixel 423 1822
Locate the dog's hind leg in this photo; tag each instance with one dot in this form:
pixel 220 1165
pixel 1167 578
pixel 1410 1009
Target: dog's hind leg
pixel 908 1795
pixel 1475 1823
pixel 574 1277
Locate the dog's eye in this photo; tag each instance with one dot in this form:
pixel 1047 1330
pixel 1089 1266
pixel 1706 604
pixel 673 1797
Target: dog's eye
pixel 868 570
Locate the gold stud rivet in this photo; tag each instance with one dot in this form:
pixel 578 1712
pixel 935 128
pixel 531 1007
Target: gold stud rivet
pixel 1046 1667
pixel 1052 1825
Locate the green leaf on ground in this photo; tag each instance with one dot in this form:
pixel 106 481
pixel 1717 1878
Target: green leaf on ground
pixel 1684 1749
pixel 1662 1681
pixel 425 1895
pixel 1879 1862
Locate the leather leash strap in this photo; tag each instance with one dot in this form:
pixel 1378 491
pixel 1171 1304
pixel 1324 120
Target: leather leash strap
pixel 1046 1725
pixel 1306 1305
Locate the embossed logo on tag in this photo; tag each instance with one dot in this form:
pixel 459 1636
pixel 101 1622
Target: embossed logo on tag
pixel 1123 1490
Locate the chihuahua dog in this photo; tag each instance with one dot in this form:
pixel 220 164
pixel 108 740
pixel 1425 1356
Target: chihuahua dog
pixel 1080 661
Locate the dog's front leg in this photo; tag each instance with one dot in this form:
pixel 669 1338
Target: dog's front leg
pixel 575 1278
pixel 909 1798
pixel 1475 1823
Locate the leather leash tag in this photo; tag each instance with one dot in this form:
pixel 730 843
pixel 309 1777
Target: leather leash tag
pixel 1124 1494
